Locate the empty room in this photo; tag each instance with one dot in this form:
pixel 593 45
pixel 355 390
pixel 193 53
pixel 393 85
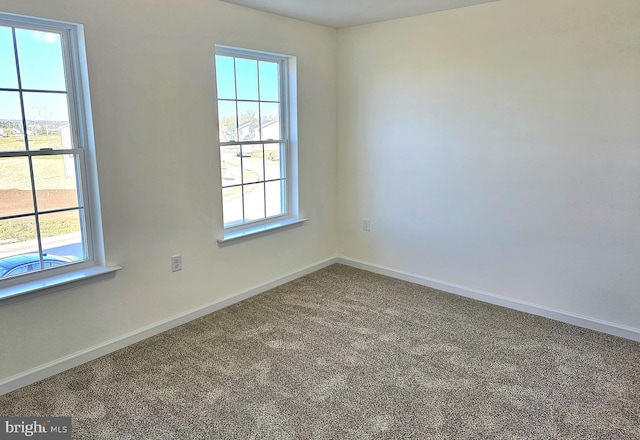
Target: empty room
pixel 337 219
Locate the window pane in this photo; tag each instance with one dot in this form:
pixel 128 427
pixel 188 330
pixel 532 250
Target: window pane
pixel 16 197
pixel 245 151
pixel 8 76
pixel 47 120
pixel 274 198
pixel 17 237
pixel 56 183
pixel 254 201
pixel 269 83
pixel 247 78
pixel 227 125
pixel 230 165
pixel 40 56
pixel 232 205
pixel 270 123
pixel 62 235
pixel 11 129
pixel 225 76
pixel 252 164
pixel 272 162
pixel 248 127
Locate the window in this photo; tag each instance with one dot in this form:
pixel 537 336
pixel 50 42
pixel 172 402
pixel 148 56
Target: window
pixel 48 193
pixel 256 146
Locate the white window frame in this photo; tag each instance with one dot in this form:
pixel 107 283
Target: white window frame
pixel 289 149
pixel 80 120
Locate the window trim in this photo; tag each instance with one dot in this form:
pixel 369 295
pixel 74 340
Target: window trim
pixel 288 140
pixel 81 124
pixel 263 229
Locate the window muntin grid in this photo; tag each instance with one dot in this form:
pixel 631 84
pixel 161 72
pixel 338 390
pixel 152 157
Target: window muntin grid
pixel 252 133
pixel 43 218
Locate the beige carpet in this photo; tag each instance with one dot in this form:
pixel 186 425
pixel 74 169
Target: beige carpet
pixel 346 354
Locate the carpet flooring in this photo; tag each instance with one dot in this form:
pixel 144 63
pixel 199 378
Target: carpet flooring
pixel 347 354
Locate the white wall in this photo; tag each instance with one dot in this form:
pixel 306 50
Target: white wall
pixel 152 82
pixel 497 147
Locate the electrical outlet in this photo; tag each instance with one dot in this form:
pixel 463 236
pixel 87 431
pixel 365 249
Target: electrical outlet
pixel 176 263
pixel 366 225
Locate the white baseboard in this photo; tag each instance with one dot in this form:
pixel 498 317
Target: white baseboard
pixel 73 360
pixel 492 298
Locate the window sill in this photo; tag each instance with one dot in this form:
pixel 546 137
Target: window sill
pixel 236 236
pixel 57 282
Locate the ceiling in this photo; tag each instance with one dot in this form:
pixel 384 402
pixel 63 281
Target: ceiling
pixel 343 13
